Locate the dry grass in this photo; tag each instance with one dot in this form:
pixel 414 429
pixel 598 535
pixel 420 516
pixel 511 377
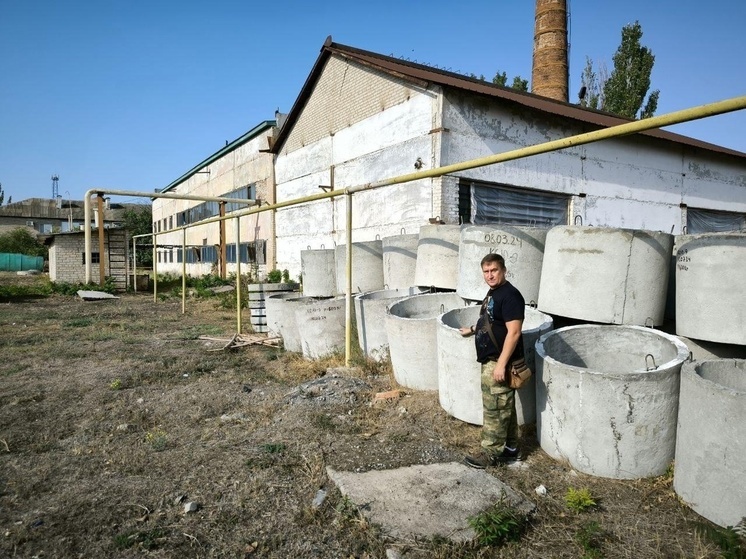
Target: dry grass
pixel 114 414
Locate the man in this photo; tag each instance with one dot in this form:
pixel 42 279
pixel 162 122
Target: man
pixel 503 311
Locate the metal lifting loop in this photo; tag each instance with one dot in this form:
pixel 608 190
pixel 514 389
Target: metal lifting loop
pixel 685 230
pixel 385 285
pixel 432 289
pixel 690 357
pixel 533 304
pixel 579 217
pixel 403 231
pixel 650 320
pixel 647 367
pixel 378 236
pixel 322 246
pixel 309 247
pixel 442 308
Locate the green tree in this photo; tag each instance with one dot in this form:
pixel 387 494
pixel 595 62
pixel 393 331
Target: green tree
pixel 21 241
pixel 2 194
pixel 520 84
pixel 629 82
pixel 593 81
pixel 139 221
pixel 501 79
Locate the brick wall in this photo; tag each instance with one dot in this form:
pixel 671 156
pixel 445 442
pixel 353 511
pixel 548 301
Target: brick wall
pixel 345 93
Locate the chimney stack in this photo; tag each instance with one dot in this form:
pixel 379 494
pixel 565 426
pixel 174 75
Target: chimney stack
pixel 549 75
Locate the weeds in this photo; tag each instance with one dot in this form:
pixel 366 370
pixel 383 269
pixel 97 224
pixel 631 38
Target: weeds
pixel 347 511
pixel 157 440
pixel 116 384
pixel 78 323
pixel 64 288
pixel 731 544
pixel 149 539
pixel 590 537
pixel 579 500
pixel 324 422
pixel 22 291
pixel 499 524
pixel 273 448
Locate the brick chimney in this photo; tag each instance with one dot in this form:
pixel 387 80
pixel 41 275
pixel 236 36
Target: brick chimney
pixel 549 74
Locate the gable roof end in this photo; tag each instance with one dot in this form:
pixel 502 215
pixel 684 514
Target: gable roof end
pixel 424 75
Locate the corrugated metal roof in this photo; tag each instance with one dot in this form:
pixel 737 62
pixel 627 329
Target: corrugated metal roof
pixel 250 135
pixel 424 75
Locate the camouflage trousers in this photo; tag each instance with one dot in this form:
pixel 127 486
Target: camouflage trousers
pixel 500 426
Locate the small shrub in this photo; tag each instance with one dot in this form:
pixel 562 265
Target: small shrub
pixel 285 276
pixel 579 500
pixel 275 276
pixel 498 524
pixel 116 384
pixel 156 439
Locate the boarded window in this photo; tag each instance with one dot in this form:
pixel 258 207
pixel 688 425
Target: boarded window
pixel 711 221
pixel 485 203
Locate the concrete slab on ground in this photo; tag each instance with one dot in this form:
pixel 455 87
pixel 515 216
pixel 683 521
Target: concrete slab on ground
pixel 426 500
pixel 95 295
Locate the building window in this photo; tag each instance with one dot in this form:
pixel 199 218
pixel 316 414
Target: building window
pixel 486 203
pixel 95 259
pixel 699 220
pixel 206 210
pixel 250 253
pixel 170 222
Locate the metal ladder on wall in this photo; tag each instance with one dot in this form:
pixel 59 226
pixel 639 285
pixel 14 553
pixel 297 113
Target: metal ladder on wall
pixel 118 258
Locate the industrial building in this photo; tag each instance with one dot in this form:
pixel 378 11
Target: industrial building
pixel 362 117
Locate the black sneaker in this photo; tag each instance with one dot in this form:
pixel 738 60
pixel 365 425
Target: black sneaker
pixel 480 461
pixel 507 456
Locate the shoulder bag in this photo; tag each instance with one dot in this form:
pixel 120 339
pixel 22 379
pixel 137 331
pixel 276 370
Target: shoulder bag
pixel 518 372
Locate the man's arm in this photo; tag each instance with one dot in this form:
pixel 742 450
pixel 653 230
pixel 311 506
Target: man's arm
pixel 511 340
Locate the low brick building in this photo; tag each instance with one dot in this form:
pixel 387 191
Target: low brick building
pixel 67 256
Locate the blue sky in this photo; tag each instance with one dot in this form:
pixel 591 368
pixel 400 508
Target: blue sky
pixel 130 95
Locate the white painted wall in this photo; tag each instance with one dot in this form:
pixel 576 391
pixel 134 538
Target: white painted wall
pixel 633 182
pixel 243 165
pixel 384 145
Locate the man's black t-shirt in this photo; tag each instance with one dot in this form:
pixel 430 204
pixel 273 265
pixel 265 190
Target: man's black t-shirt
pixel 503 304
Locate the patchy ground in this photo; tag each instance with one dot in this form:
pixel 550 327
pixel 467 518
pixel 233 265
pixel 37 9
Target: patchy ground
pixel 115 417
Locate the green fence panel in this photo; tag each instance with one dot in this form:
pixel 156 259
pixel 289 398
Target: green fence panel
pixel 20 262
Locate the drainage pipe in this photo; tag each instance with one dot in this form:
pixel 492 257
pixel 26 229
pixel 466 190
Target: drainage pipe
pixel 676 117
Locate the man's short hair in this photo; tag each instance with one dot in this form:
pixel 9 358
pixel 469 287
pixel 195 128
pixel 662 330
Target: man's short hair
pixel 493 257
